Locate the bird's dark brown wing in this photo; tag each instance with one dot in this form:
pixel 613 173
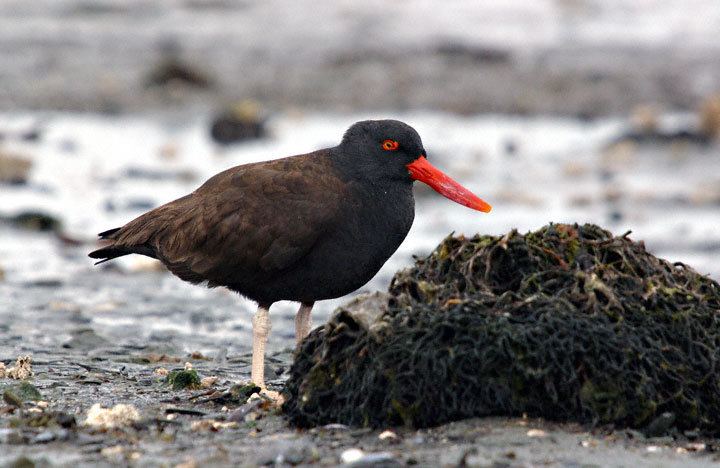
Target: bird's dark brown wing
pixel 249 220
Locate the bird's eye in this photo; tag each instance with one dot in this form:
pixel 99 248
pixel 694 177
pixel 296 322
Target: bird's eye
pixel 390 145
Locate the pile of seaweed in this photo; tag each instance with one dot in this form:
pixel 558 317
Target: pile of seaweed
pixel 567 323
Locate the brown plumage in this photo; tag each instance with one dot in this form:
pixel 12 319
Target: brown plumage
pixel 221 234
pixel 303 228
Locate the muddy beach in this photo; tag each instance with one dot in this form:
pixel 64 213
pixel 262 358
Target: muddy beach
pixel 568 111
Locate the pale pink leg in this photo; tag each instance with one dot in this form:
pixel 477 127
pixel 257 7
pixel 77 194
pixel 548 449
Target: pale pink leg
pixel 261 330
pixel 303 322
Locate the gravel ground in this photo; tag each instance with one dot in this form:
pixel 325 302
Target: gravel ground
pixel 91 348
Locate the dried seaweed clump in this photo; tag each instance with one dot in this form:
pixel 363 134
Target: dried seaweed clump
pixel 567 323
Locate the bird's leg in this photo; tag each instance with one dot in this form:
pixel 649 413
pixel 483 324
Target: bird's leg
pixel 261 329
pixel 303 322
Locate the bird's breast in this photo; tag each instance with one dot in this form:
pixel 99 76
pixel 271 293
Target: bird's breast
pixel 372 225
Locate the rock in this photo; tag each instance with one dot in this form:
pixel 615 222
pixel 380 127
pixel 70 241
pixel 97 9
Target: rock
pixel 241 414
pixel 357 458
pixel 366 308
pixel 11 436
pixel 473 53
pixel 21 462
pixel 109 418
pixel 173 71
pixel 158 175
pixel 296 453
pixel 44 437
pixel 14 169
pixel 34 221
pixel 240 123
pixel 85 338
pixel 212 425
pixel 44 283
pixel 536 433
pixel 207 382
pixel 12 398
pixel 660 425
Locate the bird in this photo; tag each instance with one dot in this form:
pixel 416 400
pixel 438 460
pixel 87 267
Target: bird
pixel 302 228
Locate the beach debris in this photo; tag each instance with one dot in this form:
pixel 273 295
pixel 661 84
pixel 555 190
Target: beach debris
pixel 51 419
pixel 22 369
pixel 119 416
pixel 243 121
pixel 212 425
pixel 161 372
pixel 187 378
pixel 14 169
pixel 389 436
pixel 153 358
pixel 536 433
pixel 567 322
pixel 357 457
pixel 207 382
pixel 236 394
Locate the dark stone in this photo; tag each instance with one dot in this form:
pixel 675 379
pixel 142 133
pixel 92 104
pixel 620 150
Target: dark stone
pixel 34 221
pixel 241 123
pixel 85 338
pixel 660 425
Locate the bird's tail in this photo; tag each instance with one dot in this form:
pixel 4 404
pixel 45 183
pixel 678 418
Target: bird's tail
pixel 113 250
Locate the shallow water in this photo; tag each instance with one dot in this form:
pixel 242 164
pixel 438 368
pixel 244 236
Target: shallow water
pixel 96 172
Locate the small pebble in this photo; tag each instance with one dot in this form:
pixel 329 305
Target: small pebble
pixel 207 382
pixel 44 437
pixel 351 455
pixel 388 435
pixel 357 457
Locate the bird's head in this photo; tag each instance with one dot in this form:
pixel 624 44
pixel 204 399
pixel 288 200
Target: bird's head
pixel 390 149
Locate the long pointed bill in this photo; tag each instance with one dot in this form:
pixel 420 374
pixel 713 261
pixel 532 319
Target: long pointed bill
pixel 422 170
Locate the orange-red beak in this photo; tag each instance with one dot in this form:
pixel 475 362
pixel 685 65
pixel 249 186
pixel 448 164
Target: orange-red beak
pixel 422 170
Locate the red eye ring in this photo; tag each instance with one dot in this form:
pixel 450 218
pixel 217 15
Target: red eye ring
pixel 390 145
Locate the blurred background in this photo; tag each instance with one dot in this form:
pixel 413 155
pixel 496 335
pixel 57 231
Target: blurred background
pixel 603 111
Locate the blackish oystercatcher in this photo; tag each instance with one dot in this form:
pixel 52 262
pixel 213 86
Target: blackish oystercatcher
pixel 303 228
